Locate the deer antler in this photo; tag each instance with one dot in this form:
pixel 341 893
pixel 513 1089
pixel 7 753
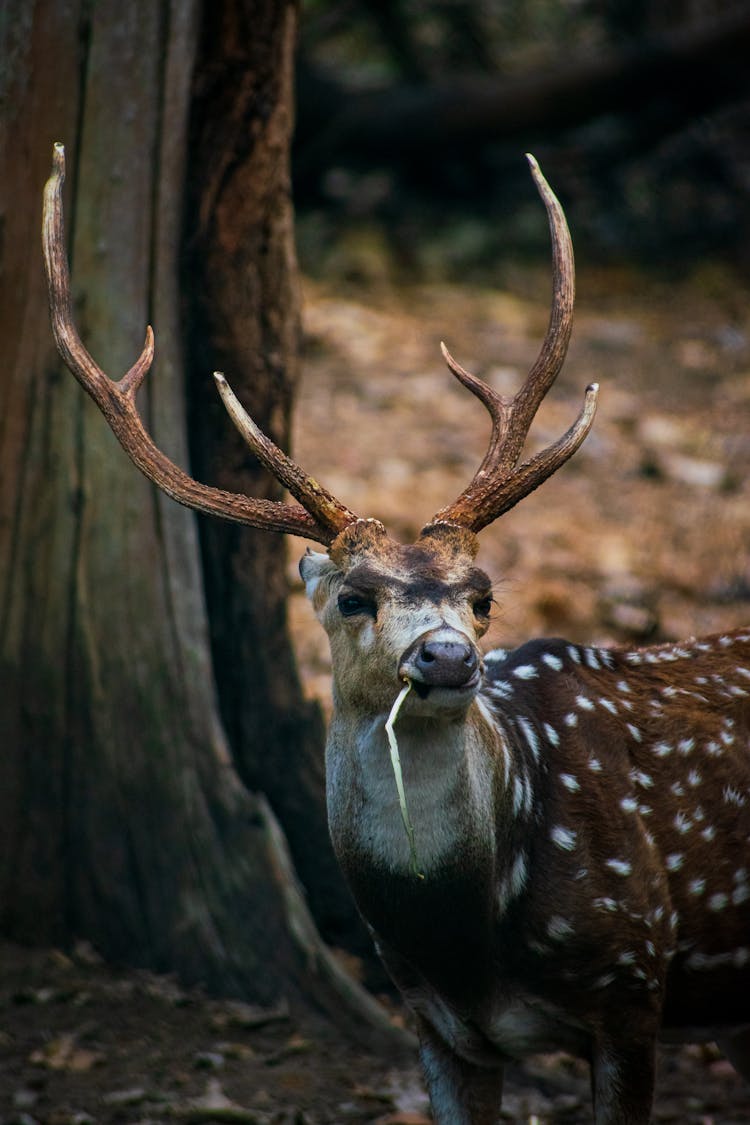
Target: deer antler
pixel 499 482
pixel 318 516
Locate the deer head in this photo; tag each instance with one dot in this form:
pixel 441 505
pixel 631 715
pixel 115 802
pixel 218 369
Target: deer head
pixel 365 588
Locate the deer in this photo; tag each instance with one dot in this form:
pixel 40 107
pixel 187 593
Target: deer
pixel 575 870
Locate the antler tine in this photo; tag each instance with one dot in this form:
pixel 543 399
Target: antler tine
pixel 314 497
pixel 318 516
pixel 555 345
pixel 498 483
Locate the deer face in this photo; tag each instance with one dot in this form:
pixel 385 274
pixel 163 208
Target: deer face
pixel 396 613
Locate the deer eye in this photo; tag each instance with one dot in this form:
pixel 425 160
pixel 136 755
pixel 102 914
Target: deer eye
pixel 350 605
pixel 483 606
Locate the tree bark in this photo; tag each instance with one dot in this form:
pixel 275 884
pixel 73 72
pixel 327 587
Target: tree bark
pixel 243 318
pixel 122 817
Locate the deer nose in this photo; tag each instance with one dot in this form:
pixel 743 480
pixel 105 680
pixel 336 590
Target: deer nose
pixel 440 663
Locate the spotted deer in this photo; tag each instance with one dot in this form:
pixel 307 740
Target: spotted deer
pixel 580 815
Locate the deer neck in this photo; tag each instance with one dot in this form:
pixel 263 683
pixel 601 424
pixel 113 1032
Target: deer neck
pixel 449 767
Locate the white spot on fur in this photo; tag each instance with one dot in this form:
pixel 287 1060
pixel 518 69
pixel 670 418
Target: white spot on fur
pixel 565 838
pixel 558 927
pixel 733 796
pixel 552 734
pixel 532 739
pixel 607 904
pixel 518 794
pixel 570 782
pixel 526 672
pixel 619 866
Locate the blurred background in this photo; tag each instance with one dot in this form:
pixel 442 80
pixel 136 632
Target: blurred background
pixel 412 115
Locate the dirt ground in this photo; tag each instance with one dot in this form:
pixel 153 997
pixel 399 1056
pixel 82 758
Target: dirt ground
pixel 82 1043
pixel 643 536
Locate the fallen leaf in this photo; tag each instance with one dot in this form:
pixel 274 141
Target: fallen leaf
pixel 64 1053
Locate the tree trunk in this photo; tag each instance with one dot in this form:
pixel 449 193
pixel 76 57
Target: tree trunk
pixel 122 818
pixel 243 318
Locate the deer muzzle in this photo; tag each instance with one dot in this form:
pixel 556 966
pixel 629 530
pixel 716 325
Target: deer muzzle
pixel 441 659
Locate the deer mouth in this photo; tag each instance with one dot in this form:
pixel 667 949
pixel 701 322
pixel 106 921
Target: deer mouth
pixel 423 689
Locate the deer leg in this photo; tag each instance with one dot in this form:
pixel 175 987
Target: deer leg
pixel 737 1049
pixel 460 1092
pixel 622 1079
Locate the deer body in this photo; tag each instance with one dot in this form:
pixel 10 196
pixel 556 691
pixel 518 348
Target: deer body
pixel 582 822
pixel 581 816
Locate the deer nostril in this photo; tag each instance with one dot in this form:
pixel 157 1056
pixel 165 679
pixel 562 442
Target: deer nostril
pixel 450 663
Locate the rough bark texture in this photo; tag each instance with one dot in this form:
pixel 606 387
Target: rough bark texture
pixel 122 817
pixel 243 318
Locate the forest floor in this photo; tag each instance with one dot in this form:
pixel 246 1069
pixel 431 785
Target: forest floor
pixel 643 536
pixel 82 1043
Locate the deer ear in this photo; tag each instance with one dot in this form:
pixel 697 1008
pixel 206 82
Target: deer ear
pixel 312 567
